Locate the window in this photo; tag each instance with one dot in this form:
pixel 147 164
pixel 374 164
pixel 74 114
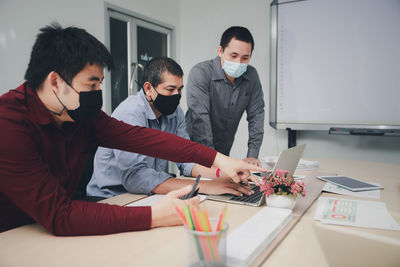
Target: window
pixel 134 40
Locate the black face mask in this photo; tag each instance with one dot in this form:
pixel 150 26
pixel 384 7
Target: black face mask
pixel 90 104
pixel 166 104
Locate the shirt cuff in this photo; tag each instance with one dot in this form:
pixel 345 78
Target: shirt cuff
pixel 187 169
pixel 206 156
pixel 253 153
pixel 162 177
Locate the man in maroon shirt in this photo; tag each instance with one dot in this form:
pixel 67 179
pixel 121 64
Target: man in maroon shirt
pixel 50 123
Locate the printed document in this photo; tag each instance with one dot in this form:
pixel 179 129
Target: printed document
pixel 359 213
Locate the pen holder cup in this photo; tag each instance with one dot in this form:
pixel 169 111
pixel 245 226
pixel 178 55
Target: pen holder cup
pixel 206 249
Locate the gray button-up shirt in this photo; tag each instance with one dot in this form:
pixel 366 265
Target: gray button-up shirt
pixel 116 172
pixel 215 107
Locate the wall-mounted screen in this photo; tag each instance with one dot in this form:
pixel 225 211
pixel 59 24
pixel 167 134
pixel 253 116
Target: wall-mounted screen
pixel 335 63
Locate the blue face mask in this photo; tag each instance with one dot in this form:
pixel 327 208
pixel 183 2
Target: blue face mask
pixel 234 69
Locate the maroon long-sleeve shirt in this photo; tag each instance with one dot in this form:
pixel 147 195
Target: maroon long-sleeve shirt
pixel 41 165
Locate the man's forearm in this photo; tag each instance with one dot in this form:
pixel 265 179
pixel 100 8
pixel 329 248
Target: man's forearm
pixel 171 184
pixel 204 171
pixel 256 134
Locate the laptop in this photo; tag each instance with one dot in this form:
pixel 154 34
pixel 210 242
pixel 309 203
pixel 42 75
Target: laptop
pixel 287 160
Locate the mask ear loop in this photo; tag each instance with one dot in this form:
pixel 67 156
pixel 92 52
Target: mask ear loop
pixel 61 112
pixel 151 100
pixel 64 107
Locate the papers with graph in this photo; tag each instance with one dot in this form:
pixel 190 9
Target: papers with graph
pixel 359 213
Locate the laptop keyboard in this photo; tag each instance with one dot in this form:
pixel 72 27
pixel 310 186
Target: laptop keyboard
pixel 254 198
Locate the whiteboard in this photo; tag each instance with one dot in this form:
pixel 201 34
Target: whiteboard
pixel 335 63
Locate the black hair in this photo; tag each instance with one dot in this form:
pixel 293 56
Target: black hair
pixel 154 69
pixel 65 51
pixel 239 33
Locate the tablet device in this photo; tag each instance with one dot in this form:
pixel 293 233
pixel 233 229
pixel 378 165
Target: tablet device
pixel 349 183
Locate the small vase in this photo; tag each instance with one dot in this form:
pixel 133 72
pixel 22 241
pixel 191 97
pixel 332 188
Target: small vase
pixel 281 201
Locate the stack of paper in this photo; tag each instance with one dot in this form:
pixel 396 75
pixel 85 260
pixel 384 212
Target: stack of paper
pixel 153 199
pixel 304 165
pixel 248 240
pixel 359 213
pixel 328 187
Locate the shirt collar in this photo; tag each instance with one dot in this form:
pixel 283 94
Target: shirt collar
pixel 150 115
pixel 149 112
pixel 219 74
pixel 36 109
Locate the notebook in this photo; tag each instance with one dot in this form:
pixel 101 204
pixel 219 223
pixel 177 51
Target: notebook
pixel 287 160
pixel 247 241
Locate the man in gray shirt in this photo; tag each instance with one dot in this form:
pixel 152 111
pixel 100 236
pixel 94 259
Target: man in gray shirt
pixel 157 107
pixel 220 90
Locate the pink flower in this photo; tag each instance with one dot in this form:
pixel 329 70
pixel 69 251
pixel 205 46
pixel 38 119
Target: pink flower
pixel 280 182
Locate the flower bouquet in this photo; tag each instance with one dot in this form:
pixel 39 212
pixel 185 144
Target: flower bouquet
pixel 281 189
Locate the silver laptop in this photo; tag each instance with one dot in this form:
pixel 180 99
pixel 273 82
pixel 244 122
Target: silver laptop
pixel 287 160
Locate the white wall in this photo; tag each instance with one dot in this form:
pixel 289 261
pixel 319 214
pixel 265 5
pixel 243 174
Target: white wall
pixel 198 25
pixel 20 22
